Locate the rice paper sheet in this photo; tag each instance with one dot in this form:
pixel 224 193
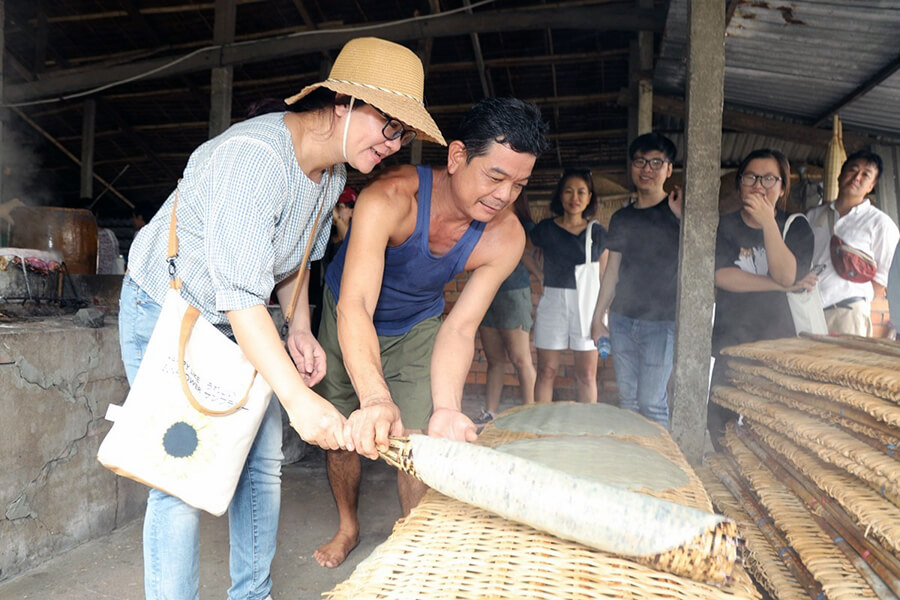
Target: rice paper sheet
pixel 603 516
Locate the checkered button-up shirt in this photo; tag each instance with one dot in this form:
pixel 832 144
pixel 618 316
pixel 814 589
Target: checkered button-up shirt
pixel 245 213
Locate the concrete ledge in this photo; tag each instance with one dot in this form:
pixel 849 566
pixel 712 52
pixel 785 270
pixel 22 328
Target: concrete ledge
pixel 58 380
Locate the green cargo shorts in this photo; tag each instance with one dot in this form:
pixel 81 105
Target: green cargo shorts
pixel 405 361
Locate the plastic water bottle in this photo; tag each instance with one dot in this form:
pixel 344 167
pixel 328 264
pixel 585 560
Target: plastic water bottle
pixel 603 347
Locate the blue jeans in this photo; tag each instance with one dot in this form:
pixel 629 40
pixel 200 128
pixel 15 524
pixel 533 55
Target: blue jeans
pixel 171 527
pixel 642 358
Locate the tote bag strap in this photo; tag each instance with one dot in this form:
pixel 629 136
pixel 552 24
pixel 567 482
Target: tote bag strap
pixel 587 240
pixel 289 311
pixel 193 313
pixel 787 224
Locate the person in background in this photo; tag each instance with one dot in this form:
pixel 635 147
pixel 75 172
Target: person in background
pixel 506 327
pixel 247 206
pixel 756 265
pixel 860 225
pixel 341 215
pixel 141 215
pixel 394 366
pixel 640 282
pixel 109 212
pixel 558 327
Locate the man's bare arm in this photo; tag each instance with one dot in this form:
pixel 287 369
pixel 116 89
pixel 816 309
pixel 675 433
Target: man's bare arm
pixel 455 343
pixel 381 211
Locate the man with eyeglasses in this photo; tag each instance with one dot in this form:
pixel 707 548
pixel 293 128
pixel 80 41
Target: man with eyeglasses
pixel 859 228
pixel 640 282
pixel 394 367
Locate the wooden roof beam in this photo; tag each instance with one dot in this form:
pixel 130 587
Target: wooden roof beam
pixel 785 130
pixel 863 89
pixel 589 17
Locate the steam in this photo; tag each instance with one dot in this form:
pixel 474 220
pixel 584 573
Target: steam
pixel 21 175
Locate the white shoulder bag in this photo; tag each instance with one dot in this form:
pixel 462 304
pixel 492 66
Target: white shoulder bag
pixel 587 283
pixel 195 406
pixel 806 307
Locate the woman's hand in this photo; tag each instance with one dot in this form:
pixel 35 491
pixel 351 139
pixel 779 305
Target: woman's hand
pixel 759 209
pixel 318 422
pixel 308 355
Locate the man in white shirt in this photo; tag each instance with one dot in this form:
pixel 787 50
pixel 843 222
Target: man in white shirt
pixel 865 228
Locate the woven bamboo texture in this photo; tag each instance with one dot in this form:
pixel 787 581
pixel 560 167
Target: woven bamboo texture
pixel 830 567
pixel 875 514
pixel 829 443
pixel 760 558
pixel 881 410
pixel 848 418
pixel 867 371
pixel 449 549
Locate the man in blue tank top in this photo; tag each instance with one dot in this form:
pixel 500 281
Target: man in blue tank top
pixel 393 367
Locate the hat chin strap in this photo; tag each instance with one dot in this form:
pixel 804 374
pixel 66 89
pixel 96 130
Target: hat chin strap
pixel 346 130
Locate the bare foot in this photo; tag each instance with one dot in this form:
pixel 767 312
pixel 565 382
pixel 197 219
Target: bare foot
pixel 333 553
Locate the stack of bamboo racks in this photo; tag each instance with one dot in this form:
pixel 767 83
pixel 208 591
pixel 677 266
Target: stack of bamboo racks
pixel 450 549
pixel 811 474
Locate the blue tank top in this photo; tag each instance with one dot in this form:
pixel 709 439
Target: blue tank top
pixel 412 287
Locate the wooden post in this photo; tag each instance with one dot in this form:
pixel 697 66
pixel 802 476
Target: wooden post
pixel 222 77
pixel 4 114
pixel 696 261
pixel 645 77
pixel 88 129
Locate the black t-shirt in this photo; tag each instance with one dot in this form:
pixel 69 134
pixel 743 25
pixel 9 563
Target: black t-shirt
pixel 647 239
pixel 563 250
pixel 743 317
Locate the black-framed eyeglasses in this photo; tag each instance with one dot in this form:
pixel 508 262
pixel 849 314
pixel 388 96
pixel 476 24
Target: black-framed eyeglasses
pixel 767 181
pixel 394 129
pixel 655 163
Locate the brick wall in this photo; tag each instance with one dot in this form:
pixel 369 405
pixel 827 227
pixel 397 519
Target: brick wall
pixel 880 316
pixel 564 388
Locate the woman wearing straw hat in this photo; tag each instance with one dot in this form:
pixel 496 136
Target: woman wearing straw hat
pixel 247 205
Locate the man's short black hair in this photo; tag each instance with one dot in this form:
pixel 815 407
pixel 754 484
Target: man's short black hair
pixel 867 156
pixel 653 141
pixel 508 121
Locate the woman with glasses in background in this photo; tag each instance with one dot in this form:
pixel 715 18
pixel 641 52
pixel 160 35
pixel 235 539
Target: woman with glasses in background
pixel 756 265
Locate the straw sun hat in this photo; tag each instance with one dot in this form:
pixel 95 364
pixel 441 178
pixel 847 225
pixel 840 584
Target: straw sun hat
pixel 386 75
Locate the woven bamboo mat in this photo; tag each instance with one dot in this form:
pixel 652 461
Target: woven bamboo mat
pixel 816 549
pixel 760 558
pixel 448 549
pixel 829 443
pixel 832 412
pixel 875 514
pixel 882 410
pixel 871 372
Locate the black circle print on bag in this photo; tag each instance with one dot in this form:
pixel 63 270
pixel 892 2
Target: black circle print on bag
pixel 180 440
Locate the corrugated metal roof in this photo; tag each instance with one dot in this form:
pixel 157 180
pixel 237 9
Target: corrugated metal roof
pixel 800 59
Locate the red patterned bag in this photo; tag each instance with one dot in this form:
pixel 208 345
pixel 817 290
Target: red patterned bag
pixel 852 263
